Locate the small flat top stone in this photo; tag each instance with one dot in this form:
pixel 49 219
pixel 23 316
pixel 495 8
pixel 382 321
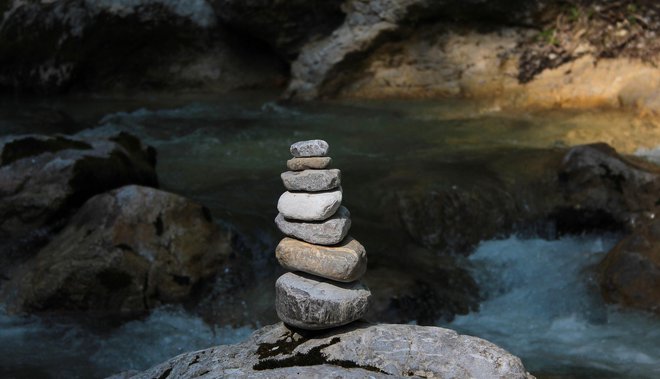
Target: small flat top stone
pixel 311 148
pixel 313 163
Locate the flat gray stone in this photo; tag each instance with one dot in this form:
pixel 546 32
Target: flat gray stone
pixel 311 148
pixel 314 163
pixel 328 232
pixel 307 303
pixel 345 262
pixel 311 180
pixel 302 206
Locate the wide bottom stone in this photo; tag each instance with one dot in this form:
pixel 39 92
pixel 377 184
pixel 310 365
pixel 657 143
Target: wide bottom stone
pixel 304 302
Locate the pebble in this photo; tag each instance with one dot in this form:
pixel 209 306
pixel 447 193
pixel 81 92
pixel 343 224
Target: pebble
pixel 311 148
pixel 311 180
pixel 314 163
pixel 328 232
pixel 317 206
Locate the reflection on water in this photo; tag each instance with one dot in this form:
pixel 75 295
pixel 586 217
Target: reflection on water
pixel 227 152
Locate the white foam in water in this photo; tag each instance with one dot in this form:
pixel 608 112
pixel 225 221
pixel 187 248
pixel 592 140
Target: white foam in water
pixel 30 347
pixel 543 305
pixel 652 155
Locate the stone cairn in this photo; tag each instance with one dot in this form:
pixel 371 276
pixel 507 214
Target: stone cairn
pixel 324 291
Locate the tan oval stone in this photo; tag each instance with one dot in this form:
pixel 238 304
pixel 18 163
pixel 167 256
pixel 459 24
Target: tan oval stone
pixel 310 163
pixel 345 262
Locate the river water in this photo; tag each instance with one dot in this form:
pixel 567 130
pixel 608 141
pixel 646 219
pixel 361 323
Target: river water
pixel 539 298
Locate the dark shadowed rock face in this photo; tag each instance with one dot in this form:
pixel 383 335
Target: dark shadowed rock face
pixel 284 25
pixel 630 273
pixel 43 179
pixel 356 351
pixel 108 45
pixel 124 251
pixel 602 188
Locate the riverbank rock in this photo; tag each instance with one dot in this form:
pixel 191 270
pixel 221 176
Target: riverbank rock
pixel 602 188
pixel 43 179
pixel 630 273
pixel 355 351
pixel 328 232
pixel 79 45
pixel 345 262
pixel 124 251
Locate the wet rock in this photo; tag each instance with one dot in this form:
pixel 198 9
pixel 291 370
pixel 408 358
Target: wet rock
pixel 630 273
pixel 309 206
pixel 328 232
pixel 125 251
pixel 311 148
pixel 298 164
pixel 307 303
pixel 345 262
pixel 357 350
pixel 602 188
pixel 43 179
pixel 311 180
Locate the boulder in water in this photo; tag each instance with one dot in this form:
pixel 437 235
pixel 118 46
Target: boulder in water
pixel 124 251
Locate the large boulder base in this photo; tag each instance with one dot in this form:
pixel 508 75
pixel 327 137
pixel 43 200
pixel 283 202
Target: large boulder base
pixel 125 251
pixel 356 351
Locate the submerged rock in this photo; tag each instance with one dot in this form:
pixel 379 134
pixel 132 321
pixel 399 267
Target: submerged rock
pixel 43 179
pixel 124 251
pixel 630 273
pixel 355 351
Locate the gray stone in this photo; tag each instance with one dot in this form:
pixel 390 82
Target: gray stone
pixel 328 232
pixel 311 180
pixel 309 206
pixel 311 148
pixel 314 163
pixel 373 351
pixel 307 303
pixel 346 262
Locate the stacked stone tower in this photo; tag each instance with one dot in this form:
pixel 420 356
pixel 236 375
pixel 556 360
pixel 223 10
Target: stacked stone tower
pixel 324 290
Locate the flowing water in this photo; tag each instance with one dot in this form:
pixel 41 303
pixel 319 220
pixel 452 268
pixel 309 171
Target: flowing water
pixel 540 300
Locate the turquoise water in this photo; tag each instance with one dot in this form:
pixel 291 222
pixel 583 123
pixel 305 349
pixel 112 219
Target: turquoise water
pixel 540 300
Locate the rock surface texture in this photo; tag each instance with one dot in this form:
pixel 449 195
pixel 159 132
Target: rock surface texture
pixel 44 179
pixel 317 299
pixel 124 251
pixel 328 232
pixel 355 351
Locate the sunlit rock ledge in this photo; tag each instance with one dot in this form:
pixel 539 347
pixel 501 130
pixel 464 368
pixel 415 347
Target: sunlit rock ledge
pixel 359 350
